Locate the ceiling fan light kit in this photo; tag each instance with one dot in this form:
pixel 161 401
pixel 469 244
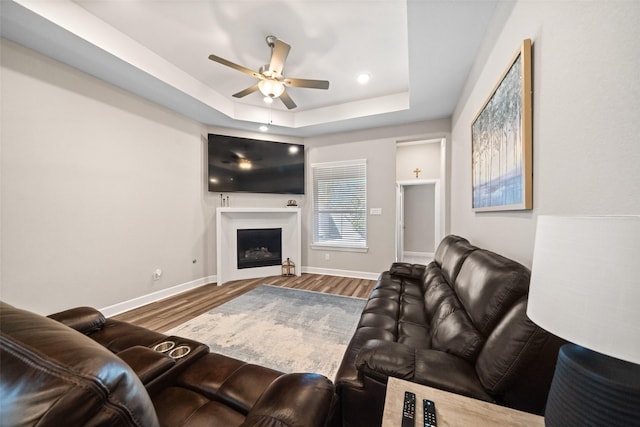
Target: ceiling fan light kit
pixel 272 82
pixel 271 87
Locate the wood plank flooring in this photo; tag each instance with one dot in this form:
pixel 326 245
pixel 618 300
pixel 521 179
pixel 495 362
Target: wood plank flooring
pixel 173 311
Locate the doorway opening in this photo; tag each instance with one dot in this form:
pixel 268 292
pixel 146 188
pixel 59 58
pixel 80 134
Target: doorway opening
pixel 420 200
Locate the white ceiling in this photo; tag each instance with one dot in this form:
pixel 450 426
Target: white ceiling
pixel 418 53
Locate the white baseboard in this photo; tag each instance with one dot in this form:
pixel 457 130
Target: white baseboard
pixel 121 307
pixel 343 273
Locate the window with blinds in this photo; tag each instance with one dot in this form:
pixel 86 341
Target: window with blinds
pixel 340 204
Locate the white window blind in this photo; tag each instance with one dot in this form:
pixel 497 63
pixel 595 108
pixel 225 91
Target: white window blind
pixel 340 203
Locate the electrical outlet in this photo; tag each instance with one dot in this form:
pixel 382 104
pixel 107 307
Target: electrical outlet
pixel 157 274
pixel 327 257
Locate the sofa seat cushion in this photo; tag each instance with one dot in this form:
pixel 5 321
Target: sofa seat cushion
pixel 382 306
pixel 385 292
pixel 380 321
pixel 412 310
pixel 217 390
pixel 414 335
pixel 412 290
pixel 448 372
pixel 178 406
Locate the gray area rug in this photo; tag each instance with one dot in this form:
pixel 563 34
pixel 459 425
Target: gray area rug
pixel 285 329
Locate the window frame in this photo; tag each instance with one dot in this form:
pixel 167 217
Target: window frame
pixel 338 245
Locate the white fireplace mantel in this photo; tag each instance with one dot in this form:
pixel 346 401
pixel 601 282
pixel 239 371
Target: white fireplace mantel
pixel 230 220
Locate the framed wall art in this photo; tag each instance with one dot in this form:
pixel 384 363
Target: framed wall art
pixel 501 141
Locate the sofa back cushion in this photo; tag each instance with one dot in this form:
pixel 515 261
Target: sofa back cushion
pixel 53 375
pixel 450 255
pixel 451 329
pixel 488 285
pixel 511 347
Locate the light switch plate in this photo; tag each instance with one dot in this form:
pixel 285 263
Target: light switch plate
pixel 375 211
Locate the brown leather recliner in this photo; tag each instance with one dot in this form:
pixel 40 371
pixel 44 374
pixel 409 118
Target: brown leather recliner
pixel 53 373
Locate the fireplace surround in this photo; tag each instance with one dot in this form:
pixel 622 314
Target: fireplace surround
pixel 230 220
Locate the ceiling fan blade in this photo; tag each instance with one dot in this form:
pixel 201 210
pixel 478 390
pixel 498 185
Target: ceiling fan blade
pixel 278 56
pixel 235 66
pixel 312 84
pixel 287 101
pixel 246 92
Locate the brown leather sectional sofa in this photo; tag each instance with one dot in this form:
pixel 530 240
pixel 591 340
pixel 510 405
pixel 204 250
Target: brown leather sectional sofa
pixel 458 324
pixel 77 368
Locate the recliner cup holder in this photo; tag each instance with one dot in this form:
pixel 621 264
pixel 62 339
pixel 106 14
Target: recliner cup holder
pixel 164 346
pixel 180 352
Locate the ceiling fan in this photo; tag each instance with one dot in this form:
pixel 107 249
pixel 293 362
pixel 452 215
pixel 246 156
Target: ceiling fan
pixel 272 82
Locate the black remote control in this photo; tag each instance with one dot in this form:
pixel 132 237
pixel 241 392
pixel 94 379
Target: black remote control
pixel 429 413
pixel 409 409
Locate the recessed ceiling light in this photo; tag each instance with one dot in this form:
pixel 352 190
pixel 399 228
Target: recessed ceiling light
pixel 364 78
pixel 264 128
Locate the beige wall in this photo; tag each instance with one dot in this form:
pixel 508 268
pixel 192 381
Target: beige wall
pixel 586 105
pixel 378 147
pixel 99 188
pixel 425 157
pixel 419 218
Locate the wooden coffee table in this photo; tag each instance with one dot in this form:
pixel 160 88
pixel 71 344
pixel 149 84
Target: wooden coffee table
pixel 452 410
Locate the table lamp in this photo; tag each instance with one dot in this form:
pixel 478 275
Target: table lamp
pixel 585 288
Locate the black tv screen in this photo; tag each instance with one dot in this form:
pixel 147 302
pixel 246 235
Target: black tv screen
pixel 255 166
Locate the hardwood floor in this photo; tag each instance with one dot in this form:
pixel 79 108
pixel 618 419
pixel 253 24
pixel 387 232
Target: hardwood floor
pixel 173 311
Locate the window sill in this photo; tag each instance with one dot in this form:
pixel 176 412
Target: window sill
pixel 324 247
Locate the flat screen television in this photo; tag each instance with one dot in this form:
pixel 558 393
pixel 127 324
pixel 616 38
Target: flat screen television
pixel 254 166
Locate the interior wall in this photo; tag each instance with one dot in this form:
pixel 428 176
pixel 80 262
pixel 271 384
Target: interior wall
pixel 586 104
pixel 425 157
pixel 378 146
pixel 419 218
pixel 99 189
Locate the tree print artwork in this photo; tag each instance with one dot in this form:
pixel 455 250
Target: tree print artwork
pixel 501 143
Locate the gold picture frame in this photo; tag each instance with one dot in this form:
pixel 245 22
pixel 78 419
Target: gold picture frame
pixel 501 141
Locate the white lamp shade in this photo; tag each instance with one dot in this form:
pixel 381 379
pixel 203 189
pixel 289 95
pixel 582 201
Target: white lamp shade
pixel 585 282
pixel 271 88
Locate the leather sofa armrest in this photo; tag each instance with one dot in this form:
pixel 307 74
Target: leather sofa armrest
pixel 147 363
pixel 382 359
pixel 82 319
pixel 294 400
pixel 413 271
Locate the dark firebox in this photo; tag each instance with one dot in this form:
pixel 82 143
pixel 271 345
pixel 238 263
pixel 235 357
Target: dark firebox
pixel 259 247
